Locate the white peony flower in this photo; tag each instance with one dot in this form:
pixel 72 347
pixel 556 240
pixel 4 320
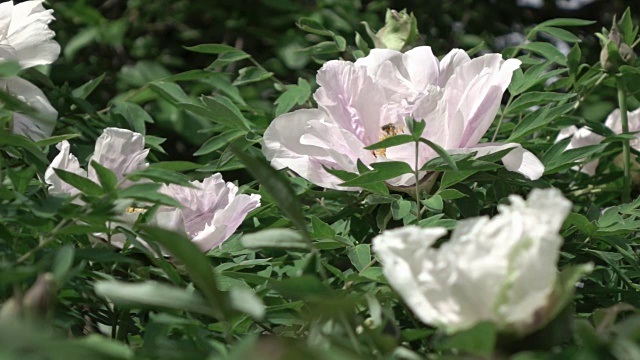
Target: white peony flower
pixel 25 36
pixel 37 128
pixel 364 102
pixel 501 269
pixel 585 137
pixel 209 215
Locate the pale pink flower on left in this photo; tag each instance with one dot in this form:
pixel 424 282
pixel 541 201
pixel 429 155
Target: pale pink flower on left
pixel 25 38
pixel 210 213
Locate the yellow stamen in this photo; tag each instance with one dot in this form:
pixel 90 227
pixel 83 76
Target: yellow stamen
pixel 388 131
pixel 131 210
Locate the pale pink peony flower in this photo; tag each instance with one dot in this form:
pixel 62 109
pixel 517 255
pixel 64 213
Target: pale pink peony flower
pixel 585 137
pixel 25 36
pixel 210 213
pixel 363 102
pixel 501 270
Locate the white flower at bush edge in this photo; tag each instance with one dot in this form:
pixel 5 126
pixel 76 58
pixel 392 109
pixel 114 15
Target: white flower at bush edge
pixel 25 37
pixel 209 215
pixel 585 137
pixel 500 270
pixel 363 102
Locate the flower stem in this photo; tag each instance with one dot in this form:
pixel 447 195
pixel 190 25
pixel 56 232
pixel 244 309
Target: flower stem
pixel 417 178
pixel 626 150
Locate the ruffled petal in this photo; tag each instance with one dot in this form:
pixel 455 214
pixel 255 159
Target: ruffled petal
pixel 518 160
pixel 283 145
pixel 38 126
pixel 65 161
pixel 120 150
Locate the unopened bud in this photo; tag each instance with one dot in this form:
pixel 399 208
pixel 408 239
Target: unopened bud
pixel 400 30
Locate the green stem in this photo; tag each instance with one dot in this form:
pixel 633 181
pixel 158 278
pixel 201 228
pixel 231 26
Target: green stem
pixel 626 148
pixel 416 174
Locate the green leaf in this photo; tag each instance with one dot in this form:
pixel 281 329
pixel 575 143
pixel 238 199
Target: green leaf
pixel 391 142
pixel 195 74
pixel 56 139
pixel 451 194
pixel 536 98
pixel 160 175
pixel 573 59
pixel 381 171
pixel 441 152
pixel 547 51
pixel 559 34
pixel 295 94
pixel 250 75
pixel 219 141
pixel 566 22
pixel 275 185
pixel 63 263
pixel 246 301
pixel 325 47
pixel 151 294
pixel 196 264
pixel 479 340
pixel 79 182
pixel 169 91
pixel 434 203
pixel 9 69
pixel 225 112
pixel 314 27
pixel 360 256
pixel 107 178
pixel 285 239
pixel 210 48
pixel 87 88
pixel 228 57
pixel 400 208
pixel 134 114
pixel 147 192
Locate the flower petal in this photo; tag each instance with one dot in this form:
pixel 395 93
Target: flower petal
pixel 519 160
pixel 120 150
pixel 65 161
pixel 39 126
pixel 284 147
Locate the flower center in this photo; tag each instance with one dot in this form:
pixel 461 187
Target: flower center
pixel 132 210
pixel 388 131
